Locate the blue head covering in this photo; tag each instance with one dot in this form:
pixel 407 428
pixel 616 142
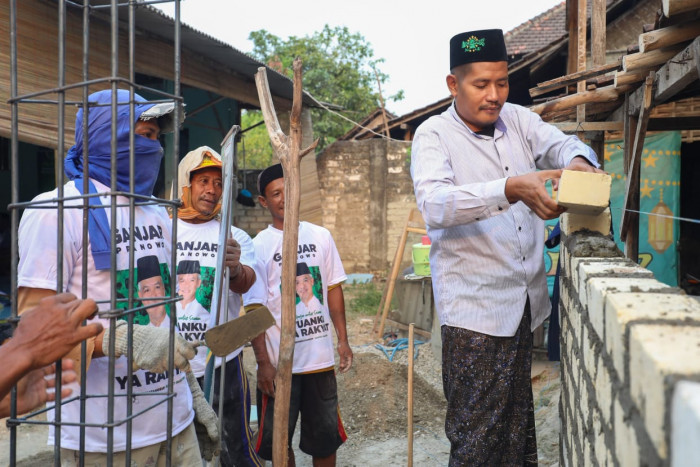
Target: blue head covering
pixel 148 154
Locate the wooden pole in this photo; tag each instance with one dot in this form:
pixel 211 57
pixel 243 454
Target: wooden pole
pixel 598 29
pixel 675 7
pixel 582 17
pixel 626 78
pixel 640 60
pixel 395 273
pixel 288 150
pixel 669 36
pixel 629 224
pixel 410 395
pixel 398 257
pixel 572 28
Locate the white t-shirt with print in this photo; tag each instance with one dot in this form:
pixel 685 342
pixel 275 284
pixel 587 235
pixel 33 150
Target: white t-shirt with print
pixel 200 242
pixel 37 269
pixel 313 348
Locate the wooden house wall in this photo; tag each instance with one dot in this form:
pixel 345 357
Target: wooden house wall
pixel 37 66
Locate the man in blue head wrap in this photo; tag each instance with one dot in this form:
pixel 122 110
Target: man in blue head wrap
pixel 38 277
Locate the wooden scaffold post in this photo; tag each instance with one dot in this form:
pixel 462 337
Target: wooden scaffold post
pixel 288 150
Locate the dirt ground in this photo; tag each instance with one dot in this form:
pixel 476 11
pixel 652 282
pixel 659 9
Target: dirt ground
pixel 373 404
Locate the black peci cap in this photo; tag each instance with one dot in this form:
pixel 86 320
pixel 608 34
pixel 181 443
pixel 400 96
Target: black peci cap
pixel 486 45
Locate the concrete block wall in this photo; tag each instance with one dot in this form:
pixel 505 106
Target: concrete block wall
pixel 630 361
pixel 344 180
pixel 251 219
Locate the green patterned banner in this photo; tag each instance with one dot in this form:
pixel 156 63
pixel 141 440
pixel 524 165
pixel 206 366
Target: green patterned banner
pixel 659 196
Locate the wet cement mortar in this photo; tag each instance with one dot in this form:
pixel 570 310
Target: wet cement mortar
pixel 373 404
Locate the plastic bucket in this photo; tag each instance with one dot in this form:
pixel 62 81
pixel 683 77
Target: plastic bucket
pixel 421 261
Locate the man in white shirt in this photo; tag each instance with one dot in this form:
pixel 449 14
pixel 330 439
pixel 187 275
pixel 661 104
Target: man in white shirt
pixel 38 277
pixel 200 188
pixel 314 393
pixel 474 170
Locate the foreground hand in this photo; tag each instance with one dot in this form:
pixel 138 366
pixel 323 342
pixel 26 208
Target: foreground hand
pixel 233 257
pixel 33 390
pixel 266 378
pixel 530 189
pixel 151 347
pixel 345 353
pixel 53 328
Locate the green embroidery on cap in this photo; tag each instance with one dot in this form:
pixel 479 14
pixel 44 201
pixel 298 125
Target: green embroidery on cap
pixel 473 44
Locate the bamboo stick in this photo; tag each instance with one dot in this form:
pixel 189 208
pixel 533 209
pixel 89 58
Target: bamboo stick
pixel 410 395
pixel 639 61
pixel 288 150
pixel 666 37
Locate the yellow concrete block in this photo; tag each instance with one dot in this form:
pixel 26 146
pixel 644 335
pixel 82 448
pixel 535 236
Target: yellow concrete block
pixel 584 192
pixel 572 222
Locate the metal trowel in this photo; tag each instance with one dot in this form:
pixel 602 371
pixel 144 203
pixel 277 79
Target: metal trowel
pixel 227 337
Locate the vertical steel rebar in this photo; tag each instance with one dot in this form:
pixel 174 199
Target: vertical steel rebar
pixel 114 35
pixel 86 201
pixel 14 217
pixel 60 149
pixel 132 222
pixel 173 251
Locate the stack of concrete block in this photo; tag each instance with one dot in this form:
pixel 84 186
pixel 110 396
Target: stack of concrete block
pixel 630 353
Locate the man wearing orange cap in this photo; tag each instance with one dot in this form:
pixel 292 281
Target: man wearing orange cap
pixel 200 188
pixel 475 176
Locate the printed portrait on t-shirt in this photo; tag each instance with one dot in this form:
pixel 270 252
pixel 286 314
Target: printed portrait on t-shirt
pixel 309 303
pixel 152 285
pixel 189 283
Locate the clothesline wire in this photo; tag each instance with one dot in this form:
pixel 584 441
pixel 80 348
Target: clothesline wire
pixel 326 108
pixel 665 216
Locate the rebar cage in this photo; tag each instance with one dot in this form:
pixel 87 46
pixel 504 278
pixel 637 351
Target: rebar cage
pixel 116 306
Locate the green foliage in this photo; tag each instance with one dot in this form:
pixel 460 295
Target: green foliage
pixel 258 150
pixel 338 68
pixel 365 298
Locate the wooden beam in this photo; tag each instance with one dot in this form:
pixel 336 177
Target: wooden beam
pixel 573 127
pixel 678 73
pixel 676 7
pixel 630 220
pixel 594 112
pixel 606 94
pixel 573 78
pixel 666 37
pixel 625 78
pixel 640 60
pixel 598 29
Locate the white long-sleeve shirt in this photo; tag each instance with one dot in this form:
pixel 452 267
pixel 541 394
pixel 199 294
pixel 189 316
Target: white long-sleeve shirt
pixel 487 255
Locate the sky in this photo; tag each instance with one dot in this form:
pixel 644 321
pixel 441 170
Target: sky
pixel 411 36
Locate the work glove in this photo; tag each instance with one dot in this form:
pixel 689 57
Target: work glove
pixel 206 422
pixel 150 347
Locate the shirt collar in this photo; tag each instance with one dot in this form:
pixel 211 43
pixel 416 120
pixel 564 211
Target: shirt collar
pixel 500 124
